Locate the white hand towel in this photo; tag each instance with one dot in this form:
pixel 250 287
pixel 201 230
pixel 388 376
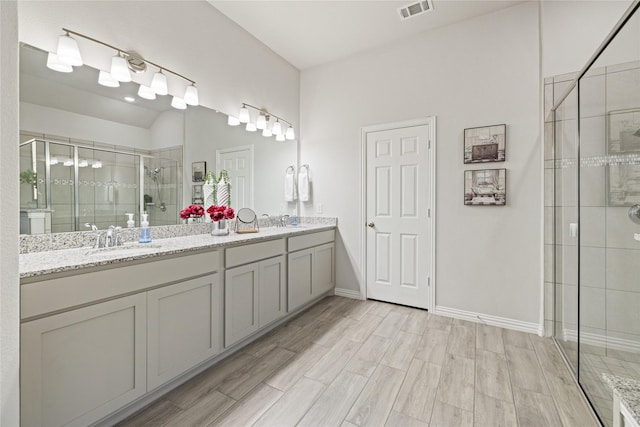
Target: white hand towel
pixel 290 185
pixel 303 184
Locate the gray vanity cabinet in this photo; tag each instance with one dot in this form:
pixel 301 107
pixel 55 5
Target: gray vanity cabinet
pixel 310 267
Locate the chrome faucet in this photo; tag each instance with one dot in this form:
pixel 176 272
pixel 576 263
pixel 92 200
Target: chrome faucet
pixel 113 235
pixel 283 220
pixel 95 230
pixel 269 223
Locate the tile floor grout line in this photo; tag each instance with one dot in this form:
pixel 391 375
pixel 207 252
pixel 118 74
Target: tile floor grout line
pixel 513 397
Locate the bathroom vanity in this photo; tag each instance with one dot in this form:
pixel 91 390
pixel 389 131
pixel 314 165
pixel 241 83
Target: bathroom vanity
pixel 107 333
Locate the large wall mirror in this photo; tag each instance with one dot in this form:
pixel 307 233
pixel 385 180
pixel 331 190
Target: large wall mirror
pixel 90 155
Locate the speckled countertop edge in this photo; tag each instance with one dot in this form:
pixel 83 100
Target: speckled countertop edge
pixel 64 260
pixel 628 390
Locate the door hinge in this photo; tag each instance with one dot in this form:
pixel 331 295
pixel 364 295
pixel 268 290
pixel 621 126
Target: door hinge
pixel 428 282
pixel 428 213
pixel 429 145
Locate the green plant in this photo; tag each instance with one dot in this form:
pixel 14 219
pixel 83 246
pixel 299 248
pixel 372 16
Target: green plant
pixel 28 177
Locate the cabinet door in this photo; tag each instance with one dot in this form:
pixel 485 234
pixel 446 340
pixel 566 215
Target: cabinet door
pixel 184 327
pixel 273 290
pixel 300 278
pixel 241 302
pixel 323 269
pixel 81 365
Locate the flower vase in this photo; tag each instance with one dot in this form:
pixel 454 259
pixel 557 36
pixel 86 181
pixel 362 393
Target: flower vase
pixel 194 220
pixel 220 228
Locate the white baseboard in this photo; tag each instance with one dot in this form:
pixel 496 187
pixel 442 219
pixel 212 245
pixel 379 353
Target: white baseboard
pixel 602 341
pixel 502 322
pixel 348 293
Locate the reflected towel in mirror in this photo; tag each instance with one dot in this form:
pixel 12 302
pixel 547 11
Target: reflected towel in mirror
pixel 303 183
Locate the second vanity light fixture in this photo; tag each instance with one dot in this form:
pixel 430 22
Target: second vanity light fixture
pixel 68 55
pixel 264 123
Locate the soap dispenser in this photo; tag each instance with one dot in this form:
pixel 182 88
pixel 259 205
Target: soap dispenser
pixel 130 222
pixel 145 233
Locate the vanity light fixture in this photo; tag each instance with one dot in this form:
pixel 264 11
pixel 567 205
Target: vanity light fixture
pixel 55 64
pixel 97 164
pixel 263 123
pixel 68 162
pixel 83 163
pixel 122 64
pixel 178 103
pixel 146 92
pixel 129 99
pixel 53 160
pixel 68 51
pixel 106 79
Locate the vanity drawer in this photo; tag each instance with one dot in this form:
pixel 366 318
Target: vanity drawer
pixel 62 293
pixel 254 252
pixel 312 239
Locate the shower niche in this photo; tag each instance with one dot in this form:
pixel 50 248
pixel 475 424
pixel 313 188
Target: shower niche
pixel 66 184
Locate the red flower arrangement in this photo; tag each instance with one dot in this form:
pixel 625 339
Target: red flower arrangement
pixel 220 212
pixel 192 211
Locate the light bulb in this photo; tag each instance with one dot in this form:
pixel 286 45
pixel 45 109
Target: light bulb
pixel 106 79
pixel 146 92
pixel 191 95
pixel 54 64
pixel 233 121
pixel 251 127
pixel 261 123
pixel 120 69
pixel 68 52
pixel 178 103
pixel 277 128
pixel 159 83
pixel 290 134
pixel 267 132
pixel 280 137
pixel 243 115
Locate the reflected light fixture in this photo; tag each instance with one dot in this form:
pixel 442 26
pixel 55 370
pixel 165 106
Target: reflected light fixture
pixel 53 160
pixel 263 123
pixel 277 128
pixel 129 99
pixel 290 134
pixel 178 103
pixel 159 83
pixel 280 137
pixel 68 162
pixel 97 164
pixel 267 132
pixel 233 121
pixel 191 95
pixel 54 64
pixel 120 69
pixel 83 163
pixel 106 79
pixel 243 114
pixel 146 92
pixel 251 127
pixel 68 51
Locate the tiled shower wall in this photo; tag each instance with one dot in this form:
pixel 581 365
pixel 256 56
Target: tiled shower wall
pixel 169 161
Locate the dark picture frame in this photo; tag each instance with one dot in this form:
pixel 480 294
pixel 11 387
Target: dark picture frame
pixel 485 187
pixel 485 144
pixel 198 171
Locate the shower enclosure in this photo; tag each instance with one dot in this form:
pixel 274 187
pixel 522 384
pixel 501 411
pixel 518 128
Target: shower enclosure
pixel 592 172
pixel 66 184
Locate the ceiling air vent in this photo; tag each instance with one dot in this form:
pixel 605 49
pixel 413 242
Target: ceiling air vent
pixel 415 9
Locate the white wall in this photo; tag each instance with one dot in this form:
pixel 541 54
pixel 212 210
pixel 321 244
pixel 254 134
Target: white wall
pixel 482 71
pixel 9 194
pixel 191 37
pixel 51 121
pixel 573 30
pixel 167 130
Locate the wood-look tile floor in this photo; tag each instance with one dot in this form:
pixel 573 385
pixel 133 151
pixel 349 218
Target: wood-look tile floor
pixel 347 363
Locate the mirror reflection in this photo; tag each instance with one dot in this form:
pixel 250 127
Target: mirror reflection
pixel 88 156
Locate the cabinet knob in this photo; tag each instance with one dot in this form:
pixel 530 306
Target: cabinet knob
pixel 371 225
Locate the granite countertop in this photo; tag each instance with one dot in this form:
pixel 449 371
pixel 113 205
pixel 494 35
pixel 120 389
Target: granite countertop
pixel 628 390
pixel 63 260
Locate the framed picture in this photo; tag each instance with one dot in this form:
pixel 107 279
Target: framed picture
pixel 623 144
pixel 197 196
pixel 485 144
pixel 198 171
pixel 485 187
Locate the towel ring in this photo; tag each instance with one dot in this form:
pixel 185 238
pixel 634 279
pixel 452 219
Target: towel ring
pixel 293 169
pixel 305 166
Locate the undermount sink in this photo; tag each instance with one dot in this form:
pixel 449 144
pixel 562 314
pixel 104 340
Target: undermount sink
pixel 131 249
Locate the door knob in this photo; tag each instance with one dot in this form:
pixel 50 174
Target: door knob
pixel 371 225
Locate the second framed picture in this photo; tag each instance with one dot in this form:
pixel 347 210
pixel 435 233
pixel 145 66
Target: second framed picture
pixel 485 187
pixel 485 144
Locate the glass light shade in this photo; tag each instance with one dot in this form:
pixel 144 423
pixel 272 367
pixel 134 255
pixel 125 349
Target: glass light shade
pixel 290 134
pixel 191 95
pixel 120 69
pixel 178 103
pixel 83 163
pixel 233 121
pixel 277 128
pixel 261 123
pixel 251 127
pixel 68 162
pixel 146 92
pixel 280 137
pixel 54 64
pixel 106 79
pixel 159 83
pixel 97 164
pixel 68 52
pixel 243 115
pixel 267 132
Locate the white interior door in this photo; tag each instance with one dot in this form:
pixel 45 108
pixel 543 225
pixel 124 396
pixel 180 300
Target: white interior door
pixel 238 162
pixel 398 215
